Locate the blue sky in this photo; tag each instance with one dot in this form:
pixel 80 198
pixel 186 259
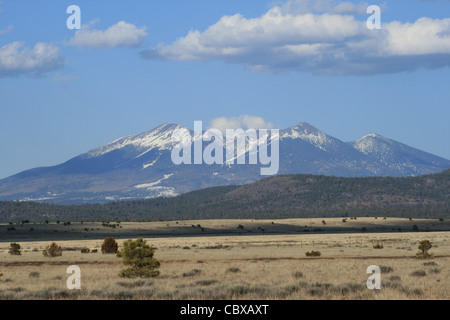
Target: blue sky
pixel 138 64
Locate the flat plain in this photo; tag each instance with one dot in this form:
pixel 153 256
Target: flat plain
pixel 233 259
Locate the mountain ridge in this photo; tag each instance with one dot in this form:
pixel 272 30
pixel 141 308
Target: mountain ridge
pixel 283 196
pixel 139 166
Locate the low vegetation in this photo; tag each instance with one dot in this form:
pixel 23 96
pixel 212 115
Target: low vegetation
pixel 15 249
pixel 313 254
pixel 52 250
pixel 110 246
pixel 232 267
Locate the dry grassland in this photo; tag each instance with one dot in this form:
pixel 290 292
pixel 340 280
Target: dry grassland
pixel 234 263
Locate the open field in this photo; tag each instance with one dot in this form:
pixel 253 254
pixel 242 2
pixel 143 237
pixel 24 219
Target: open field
pixel 186 228
pixel 225 261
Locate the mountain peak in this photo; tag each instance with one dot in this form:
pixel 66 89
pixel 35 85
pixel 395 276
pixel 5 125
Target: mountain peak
pixel 308 133
pixel 304 126
pixel 140 166
pixel 166 127
pixel 159 137
pixel 373 135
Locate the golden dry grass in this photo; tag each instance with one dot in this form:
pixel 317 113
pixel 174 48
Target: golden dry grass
pixel 247 266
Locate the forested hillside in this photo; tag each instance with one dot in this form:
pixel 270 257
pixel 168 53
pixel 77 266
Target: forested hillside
pixel 274 197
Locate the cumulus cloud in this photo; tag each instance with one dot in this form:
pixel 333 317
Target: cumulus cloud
pixel 122 34
pixel 16 59
pixel 320 37
pixel 242 122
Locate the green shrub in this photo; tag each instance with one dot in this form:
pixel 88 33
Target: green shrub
pixel 110 245
pixel 139 256
pixel 14 249
pixel 52 250
pixel 423 253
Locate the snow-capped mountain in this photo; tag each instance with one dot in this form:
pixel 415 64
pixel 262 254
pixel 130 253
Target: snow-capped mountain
pixel 140 166
pixel 158 138
pixel 404 160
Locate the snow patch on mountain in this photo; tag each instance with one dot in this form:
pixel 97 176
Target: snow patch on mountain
pixel 308 133
pixel 152 184
pixel 156 190
pixel 146 165
pixel 159 138
pixel 373 144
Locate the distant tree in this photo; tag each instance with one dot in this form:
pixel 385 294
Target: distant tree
pixel 138 255
pixel 110 245
pixel 14 249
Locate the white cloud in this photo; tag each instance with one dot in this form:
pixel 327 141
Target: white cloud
pixel 7 30
pixel 122 34
pixel 15 59
pixel 242 122
pixel 320 37
pixel 425 36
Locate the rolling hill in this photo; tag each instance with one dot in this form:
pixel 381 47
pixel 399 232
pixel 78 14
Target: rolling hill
pixel 285 196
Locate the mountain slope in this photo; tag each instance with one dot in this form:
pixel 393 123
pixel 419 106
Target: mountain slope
pixel 398 156
pixel 275 197
pixel 140 167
